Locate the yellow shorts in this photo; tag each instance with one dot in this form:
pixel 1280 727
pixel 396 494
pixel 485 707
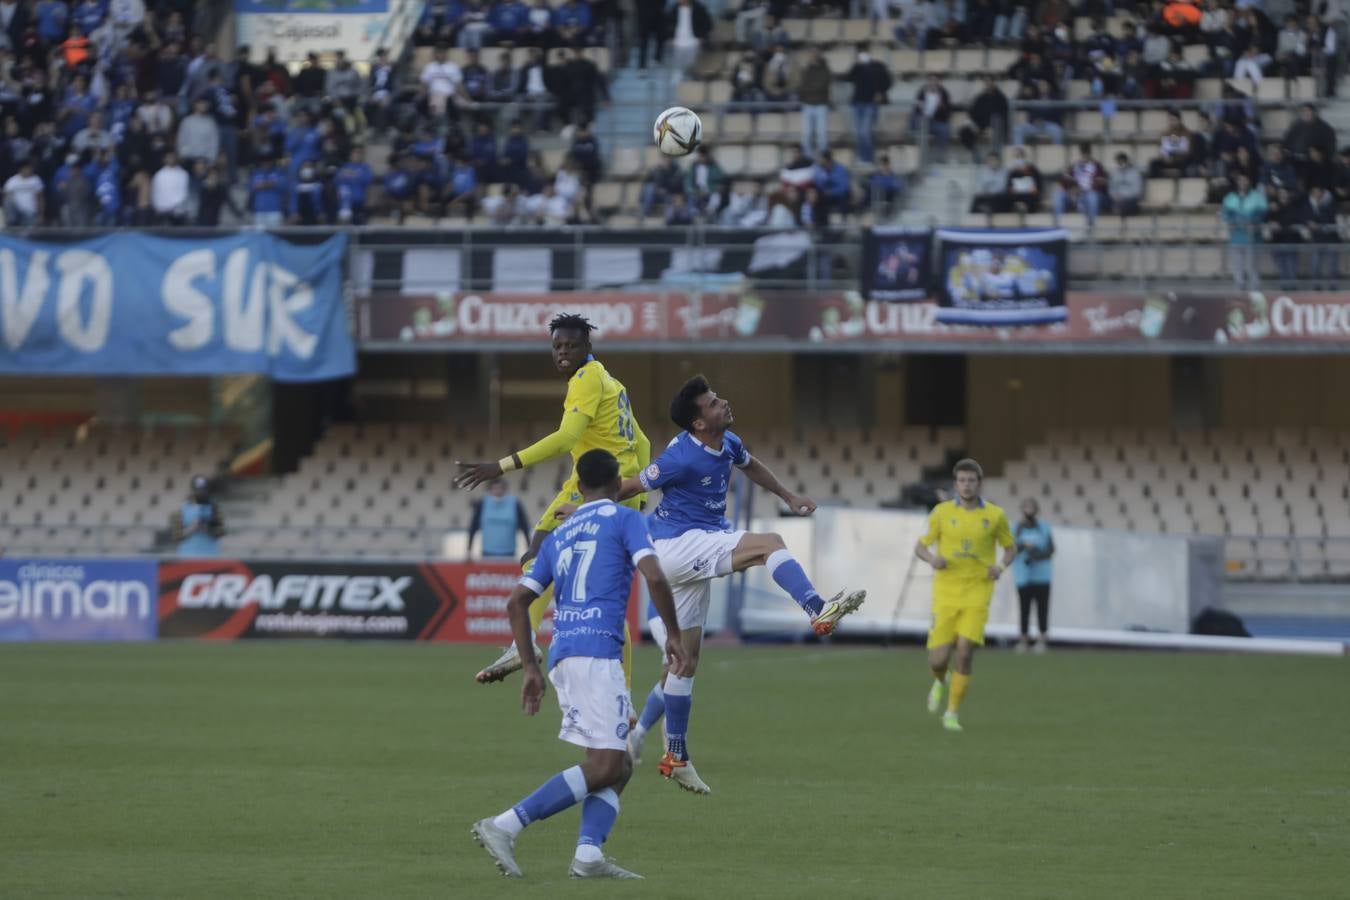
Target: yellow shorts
pixel 951 622
pixel 570 494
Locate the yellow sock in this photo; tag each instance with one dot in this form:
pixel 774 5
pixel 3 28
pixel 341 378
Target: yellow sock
pixel 959 684
pixel 627 658
pixel 539 607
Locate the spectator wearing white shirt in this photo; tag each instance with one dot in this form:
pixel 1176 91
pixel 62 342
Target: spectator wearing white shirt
pixel 169 193
pixel 23 198
pixel 155 113
pixel 443 83
pixel 93 137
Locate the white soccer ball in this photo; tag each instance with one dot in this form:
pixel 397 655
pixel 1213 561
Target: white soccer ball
pixel 678 131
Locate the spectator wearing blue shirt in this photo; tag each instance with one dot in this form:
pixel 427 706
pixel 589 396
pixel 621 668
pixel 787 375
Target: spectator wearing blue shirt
pixel 108 195
pixel 475 77
pixel 510 20
pixel 515 162
pixel 78 106
pixel 89 15
pixel 400 184
pixel 884 185
pixel 463 188
pixel 302 140
pixel 483 153
pixel 832 182
pixel 572 21
pixel 120 109
pixel 52 19
pixel 170 71
pixel 1031 571
pixel 269 133
pixel 268 192
pixel 353 180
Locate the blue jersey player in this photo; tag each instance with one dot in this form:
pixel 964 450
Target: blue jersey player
pixel 695 543
pixel 589 561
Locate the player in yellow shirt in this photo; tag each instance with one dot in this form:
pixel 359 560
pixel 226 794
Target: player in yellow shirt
pixel 597 415
pixel 963 534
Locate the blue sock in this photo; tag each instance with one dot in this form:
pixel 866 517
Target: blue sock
pixel 553 796
pixel 654 709
pixel 598 812
pixel 679 701
pixel 790 576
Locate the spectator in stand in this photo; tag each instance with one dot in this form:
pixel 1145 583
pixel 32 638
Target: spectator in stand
pixel 197 74
pixel 108 192
pixel 884 187
pixel 1244 210
pixel 703 180
pixel 659 185
pixel 991 187
pixel 212 191
pixel 745 77
pixel 813 88
pixel 942 21
pixel 93 137
pixel 155 113
pixel 380 91
pixel 1174 150
pixel 75 195
pixel 482 153
pixel 538 85
pixel 352 183
pixel 1326 41
pixel 510 22
pixel 988 117
pixel 52 16
pixel 651 30
pixel 1311 130
pixel 833 188
pixel 1291 49
pixel 501 87
pixel 1081 187
pixel 688 24
pixel 778 78
pixel 933 111
pixel 746 207
pixel 1042 121
pixel 474 28
pixel 1278 173
pixel 475 76
pixel 678 211
pixel 169 192
pixel 583 86
pixel 228 113
pixel 1283 229
pixel 1320 219
pixel 1250 66
pixel 462 190
pixel 198 134
pixel 400 185
pixel 514 163
pixel 442 84
pixel 572 21
pixel 585 153
pixel 1126 187
pixel 342 83
pixel 871 83
pixel 269 194
pixel 769 34
pixel 311 80
pixel 1010 21
pixel 540 31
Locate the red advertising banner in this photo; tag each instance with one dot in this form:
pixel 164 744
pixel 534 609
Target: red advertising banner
pixel 226 599
pixel 748 316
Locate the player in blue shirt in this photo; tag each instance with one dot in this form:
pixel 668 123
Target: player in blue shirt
pixel 696 543
pixel 589 561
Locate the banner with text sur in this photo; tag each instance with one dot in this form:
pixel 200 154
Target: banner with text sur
pixel 225 599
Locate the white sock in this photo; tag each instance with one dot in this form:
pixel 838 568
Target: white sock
pixel 589 853
pixel 509 822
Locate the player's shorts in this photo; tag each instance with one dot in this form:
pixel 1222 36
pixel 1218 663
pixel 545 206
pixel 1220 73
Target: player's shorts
pixel 690 562
pixel 594 700
pixel 951 622
pixel 570 494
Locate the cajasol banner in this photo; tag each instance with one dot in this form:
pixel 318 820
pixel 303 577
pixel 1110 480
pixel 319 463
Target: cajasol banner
pixel 77 600
pixel 294 28
pixel 138 304
pixel 227 599
pixel 1002 277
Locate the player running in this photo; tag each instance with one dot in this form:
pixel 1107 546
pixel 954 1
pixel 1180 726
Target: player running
pixel 696 543
pixel 590 561
pixel 964 530
pixel 596 415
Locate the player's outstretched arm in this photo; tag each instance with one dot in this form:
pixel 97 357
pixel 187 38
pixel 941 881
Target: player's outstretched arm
pixel 664 601
pixel 574 425
pixel 760 474
pixel 518 609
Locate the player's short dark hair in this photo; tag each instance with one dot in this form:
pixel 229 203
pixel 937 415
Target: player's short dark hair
pixel 597 469
pixel 968 465
pixel 571 322
pixel 684 409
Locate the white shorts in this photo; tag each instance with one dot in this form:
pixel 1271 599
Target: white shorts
pixel 690 562
pixel 594 700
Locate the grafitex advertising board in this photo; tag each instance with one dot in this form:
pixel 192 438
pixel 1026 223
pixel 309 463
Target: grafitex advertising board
pixel 225 599
pixel 77 600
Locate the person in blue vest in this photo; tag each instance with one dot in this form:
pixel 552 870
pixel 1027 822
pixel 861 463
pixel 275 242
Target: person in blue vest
pixel 1031 571
pixel 198 526
pixel 498 516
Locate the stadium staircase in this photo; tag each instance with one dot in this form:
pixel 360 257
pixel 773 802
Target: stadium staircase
pixel 939 193
pixel 638 97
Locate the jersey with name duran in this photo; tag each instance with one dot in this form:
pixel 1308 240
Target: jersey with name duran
pixel 693 478
pixel 589 560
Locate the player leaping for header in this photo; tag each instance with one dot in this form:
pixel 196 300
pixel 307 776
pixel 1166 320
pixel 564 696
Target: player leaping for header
pixel 695 543
pixel 597 415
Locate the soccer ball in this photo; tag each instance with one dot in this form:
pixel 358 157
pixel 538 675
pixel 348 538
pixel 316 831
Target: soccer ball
pixel 677 131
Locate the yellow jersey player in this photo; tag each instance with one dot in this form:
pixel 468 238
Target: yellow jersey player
pixel 960 545
pixel 597 415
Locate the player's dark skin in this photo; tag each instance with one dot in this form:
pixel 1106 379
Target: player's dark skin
pixel 570 349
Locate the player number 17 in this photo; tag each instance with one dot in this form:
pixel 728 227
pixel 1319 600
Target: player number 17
pixel 585 552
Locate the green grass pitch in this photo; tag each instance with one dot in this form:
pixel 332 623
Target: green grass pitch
pixel 345 770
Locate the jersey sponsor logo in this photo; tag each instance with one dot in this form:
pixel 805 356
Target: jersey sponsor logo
pixel 707 480
pixel 359 593
pixel 653 472
pixel 621 732
pixel 577 615
pixel 607 511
